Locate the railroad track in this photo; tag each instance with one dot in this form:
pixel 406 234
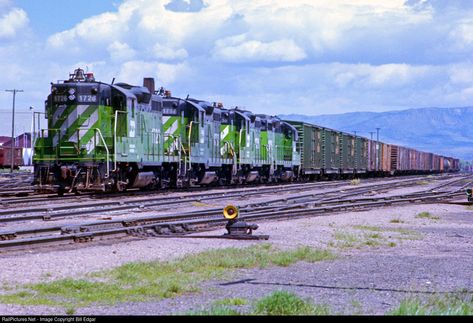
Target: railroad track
pixel 89 207
pixel 181 224
pixel 12 196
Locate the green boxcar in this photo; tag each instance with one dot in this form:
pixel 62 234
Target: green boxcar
pixel 361 155
pixel 309 147
pixel 331 151
pixel 347 153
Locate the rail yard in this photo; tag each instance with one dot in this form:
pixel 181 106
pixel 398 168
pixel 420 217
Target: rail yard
pixel 109 230
pixel 133 181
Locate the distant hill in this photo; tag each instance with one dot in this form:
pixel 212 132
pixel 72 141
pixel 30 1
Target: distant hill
pixel 446 131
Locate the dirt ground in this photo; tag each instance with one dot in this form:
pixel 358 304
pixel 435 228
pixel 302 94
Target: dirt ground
pixel 383 256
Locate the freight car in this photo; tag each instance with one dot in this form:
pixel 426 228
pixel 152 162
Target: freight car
pixel 5 157
pixel 111 137
pixel 328 153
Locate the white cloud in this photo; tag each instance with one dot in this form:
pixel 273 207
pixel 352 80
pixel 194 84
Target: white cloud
pixel 134 71
pixel 304 27
pixel 12 22
pixel 310 56
pixel 120 51
pixel 461 73
pixel 285 50
pixel 462 34
pixel 163 52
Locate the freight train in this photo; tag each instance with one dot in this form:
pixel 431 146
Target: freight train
pixel 113 137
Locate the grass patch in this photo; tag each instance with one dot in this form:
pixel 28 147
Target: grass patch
pixel 396 221
pixel 285 303
pixel 217 310
pixel 140 281
pixel 422 182
pixel 199 204
pixel 277 303
pixel 345 240
pixel 70 311
pixel 427 215
pixel 349 240
pixel 459 304
pixel 368 228
pixel 374 238
pixel 355 181
pixel 357 307
pixel 232 302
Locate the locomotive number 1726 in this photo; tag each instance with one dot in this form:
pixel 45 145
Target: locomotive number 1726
pixel 87 98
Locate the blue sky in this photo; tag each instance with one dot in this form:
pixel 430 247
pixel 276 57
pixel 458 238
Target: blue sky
pixel 275 57
pixel 47 17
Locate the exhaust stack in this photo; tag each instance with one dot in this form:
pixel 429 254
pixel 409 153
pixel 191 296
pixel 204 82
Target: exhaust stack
pixel 148 82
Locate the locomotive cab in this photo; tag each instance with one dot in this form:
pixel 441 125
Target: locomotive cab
pixel 78 134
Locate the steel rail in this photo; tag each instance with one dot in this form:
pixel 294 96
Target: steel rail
pixel 47 213
pixel 207 219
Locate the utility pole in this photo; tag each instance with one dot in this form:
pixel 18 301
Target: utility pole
pixel 377 147
pixel 13 129
pixel 371 137
pixel 31 136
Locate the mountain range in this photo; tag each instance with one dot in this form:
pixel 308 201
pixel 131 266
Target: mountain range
pixel 444 131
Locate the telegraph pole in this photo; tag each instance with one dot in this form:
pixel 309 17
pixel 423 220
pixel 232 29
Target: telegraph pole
pixel 377 145
pixel 13 129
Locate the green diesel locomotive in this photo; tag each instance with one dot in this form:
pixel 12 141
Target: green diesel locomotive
pixel 110 137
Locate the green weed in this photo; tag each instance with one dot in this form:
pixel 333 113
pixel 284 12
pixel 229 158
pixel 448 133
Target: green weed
pixel 140 281
pixel 437 305
pixel 285 303
pixel 426 215
pixel 231 302
pixel 355 181
pixel 368 228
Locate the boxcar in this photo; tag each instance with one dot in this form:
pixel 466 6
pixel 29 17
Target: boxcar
pixel 310 147
pixel 5 157
pixel 361 155
pixel 347 153
pixel 330 151
pixel 371 164
pixel 385 159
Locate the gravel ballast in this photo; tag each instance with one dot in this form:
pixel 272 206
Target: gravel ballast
pixel 411 257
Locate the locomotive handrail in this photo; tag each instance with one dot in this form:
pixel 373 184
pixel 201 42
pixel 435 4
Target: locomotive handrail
pixel 115 139
pixel 239 145
pixel 182 149
pixel 190 144
pixel 106 148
